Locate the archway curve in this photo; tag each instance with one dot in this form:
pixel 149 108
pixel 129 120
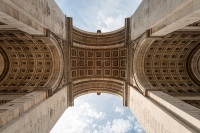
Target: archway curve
pixel 2 64
pixel 106 103
pixel 91 40
pixel 4 61
pixel 94 91
pixel 98 62
pixel 34 62
pixel 58 67
pixel 138 64
pixel 93 85
pixel 95 33
pixel 160 63
pixel 193 66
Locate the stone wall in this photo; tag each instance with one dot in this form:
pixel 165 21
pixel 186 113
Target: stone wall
pixel 40 118
pixel 163 16
pixel 153 117
pixel 35 17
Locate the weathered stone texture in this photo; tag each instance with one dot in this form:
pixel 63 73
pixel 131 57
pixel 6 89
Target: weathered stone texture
pixel 41 117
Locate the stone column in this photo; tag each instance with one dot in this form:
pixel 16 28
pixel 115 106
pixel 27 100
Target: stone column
pixel 183 111
pixel 70 96
pixel 128 62
pixel 161 113
pixel 33 113
pixel 67 58
pixel 15 108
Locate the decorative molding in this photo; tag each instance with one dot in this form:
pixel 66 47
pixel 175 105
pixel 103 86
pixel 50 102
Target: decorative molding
pixel 165 63
pixel 31 59
pixel 95 63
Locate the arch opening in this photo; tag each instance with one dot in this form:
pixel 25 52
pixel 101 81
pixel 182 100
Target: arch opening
pixel 98 62
pixel 102 113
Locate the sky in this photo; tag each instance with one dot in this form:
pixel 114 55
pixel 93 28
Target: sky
pixel 94 113
pixel 91 15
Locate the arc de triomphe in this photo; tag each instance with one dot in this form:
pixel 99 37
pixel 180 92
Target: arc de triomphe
pixel 153 62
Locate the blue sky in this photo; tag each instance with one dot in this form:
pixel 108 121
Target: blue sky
pixel 98 114
pixel 91 15
pixel 92 113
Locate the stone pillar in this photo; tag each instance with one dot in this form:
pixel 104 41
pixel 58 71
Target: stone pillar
pixel 67 58
pixel 67 50
pixel 70 96
pixel 128 62
pixel 161 113
pixel 15 108
pixel 185 112
pixel 125 94
pixel 37 118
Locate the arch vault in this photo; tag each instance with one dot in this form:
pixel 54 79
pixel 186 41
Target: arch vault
pixel 153 62
pixel 98 62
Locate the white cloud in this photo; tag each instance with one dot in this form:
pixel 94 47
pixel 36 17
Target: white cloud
pixel 109 23
pixel 106 15
pixel 136 124
pixel 121 126
pixel 87 110
pixel 131 118
pixel 138 128
pixel 76 119
pixel 119 110
pixel 94 125
pixel 116 126
pixel 92 114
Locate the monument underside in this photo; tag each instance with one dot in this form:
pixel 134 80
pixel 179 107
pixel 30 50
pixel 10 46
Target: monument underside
pixel 46 62
pixel 98 62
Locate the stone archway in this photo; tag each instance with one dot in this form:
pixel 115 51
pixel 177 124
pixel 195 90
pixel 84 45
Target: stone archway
pixel 152 62
pixel 98 62
pixel 32 62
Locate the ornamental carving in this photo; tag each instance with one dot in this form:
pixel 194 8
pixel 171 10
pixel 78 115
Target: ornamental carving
pixel 98 56
pixel 165 62
pixel 109 65
pixel 31 62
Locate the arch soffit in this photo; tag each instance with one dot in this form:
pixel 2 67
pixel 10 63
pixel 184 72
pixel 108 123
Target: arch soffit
pixel 160 63
pixel 34 62
pixel 98 57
